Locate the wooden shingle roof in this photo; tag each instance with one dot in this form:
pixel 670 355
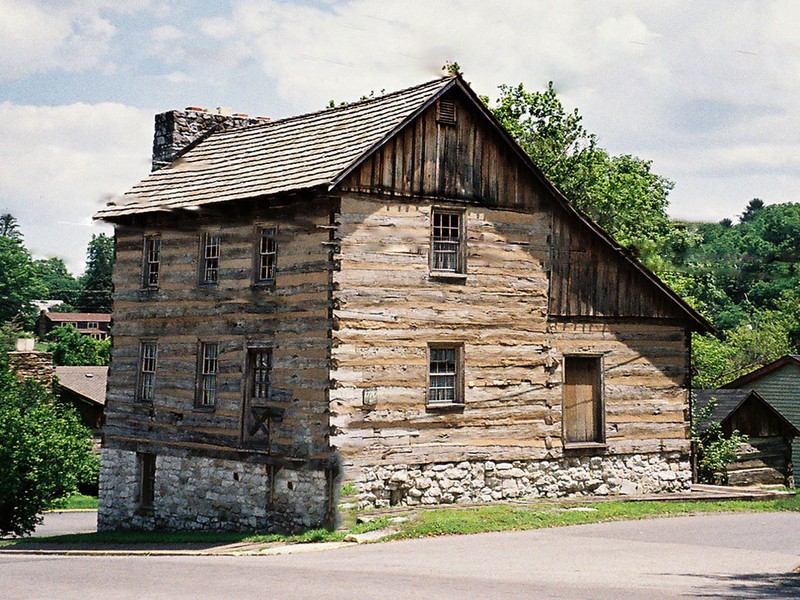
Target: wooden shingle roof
pixel 87 382
pixel 287 155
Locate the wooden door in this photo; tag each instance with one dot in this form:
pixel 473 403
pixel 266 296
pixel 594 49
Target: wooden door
pixel 582 400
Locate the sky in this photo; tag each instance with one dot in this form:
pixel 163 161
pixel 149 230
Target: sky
pixel 708 91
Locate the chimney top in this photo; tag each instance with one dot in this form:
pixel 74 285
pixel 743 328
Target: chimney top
pixel 225 111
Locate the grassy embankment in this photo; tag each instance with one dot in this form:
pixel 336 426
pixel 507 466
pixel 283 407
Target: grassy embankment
pixel 444 521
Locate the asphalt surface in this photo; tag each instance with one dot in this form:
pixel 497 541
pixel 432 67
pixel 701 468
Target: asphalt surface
pixel 709 556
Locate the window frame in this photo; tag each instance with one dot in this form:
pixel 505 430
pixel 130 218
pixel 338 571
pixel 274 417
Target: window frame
pixel 148 272
pixel 207 378
pixel 146 379
pixel 458 400
pixel 460 271
pixel 599 403
pixel 205 261
pixel 265 232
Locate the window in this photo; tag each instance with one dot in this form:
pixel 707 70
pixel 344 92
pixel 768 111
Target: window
pixel 447 241
pixel 260 367
pixel 209 265
pixel 257 414
pixel 148 356
pixel 147 479
pixel 583 400
pixel 152 260
pixel 445 375
pixel 207 384
pixel 92 325
pixel 267 255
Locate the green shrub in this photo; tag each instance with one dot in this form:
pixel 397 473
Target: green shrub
pixel 44 452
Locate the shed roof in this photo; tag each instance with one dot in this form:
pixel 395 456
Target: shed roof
pixel 789 359
pixel 729 400
pixel 286 155
pixel 87 382
pixel 75 317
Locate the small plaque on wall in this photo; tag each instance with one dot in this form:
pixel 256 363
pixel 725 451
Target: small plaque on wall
pixel 369 397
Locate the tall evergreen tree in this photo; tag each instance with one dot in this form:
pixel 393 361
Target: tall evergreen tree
pixel 95 293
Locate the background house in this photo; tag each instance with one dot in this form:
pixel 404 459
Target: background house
pixel 778 383
pixel 84 388
pixel 96 325
pixel 766 457
pixel 388 292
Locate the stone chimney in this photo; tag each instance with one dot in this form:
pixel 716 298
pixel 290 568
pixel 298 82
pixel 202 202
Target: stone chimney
pixel 176 130
pixel 28 363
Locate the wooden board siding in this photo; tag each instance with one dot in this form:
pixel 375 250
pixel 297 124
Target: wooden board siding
pixel 291 317
pixel 431 159
pixel 590 279
pixel 388 309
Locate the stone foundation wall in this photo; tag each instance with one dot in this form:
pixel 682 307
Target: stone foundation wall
pixel 485 481
pixel 209 494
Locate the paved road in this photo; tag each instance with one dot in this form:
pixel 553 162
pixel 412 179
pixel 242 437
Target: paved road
pixel 712 556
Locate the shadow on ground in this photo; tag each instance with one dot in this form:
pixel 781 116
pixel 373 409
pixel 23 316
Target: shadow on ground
pixel 753 586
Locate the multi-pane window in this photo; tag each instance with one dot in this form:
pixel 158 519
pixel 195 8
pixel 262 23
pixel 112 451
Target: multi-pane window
pixel 148 358
pixel 447 242
pixel 207 385
pixel 260 367
pixel 444 375
pixel 267 255
pixel 583 400
pixel 152 260
pixel 209 273
pixel 147 479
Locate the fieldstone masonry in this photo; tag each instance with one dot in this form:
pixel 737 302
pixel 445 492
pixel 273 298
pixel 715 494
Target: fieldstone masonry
pixel 175 130
pixel 28 363
pixel 485 481
pixel 209 494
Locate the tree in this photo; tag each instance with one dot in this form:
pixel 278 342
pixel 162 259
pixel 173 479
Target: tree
pixel 44 451
pixel 95 293
pixel 72 348
pixel 620 193
pixel 9 227
pixel 58 282
pixel 755 205
pixel 19 282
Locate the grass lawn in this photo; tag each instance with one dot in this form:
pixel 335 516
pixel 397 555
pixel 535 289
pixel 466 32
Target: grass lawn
pixel 75 501
pixel 440 521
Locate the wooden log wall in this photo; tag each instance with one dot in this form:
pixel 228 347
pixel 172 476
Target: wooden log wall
pixel 292 317
pixel 388 309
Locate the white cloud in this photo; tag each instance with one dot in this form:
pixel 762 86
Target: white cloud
pixel 60 163
pixel 72 35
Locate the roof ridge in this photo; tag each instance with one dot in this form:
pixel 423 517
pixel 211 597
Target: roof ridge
pixel 340 108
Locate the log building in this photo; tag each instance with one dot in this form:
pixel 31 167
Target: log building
pixel 388 293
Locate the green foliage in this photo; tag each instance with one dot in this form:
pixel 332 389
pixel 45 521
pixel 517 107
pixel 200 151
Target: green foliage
pixel 620 193
pixel 72 348
pixel 43 451
pixel 715 450
pixel 9 227
pixel 58 282
pixel 19 282
pixel 96 285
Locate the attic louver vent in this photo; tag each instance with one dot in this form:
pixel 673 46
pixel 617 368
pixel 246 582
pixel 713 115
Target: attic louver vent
pixel 446 112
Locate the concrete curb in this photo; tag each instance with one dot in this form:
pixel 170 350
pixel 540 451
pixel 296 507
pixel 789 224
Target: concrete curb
pixel 233 550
